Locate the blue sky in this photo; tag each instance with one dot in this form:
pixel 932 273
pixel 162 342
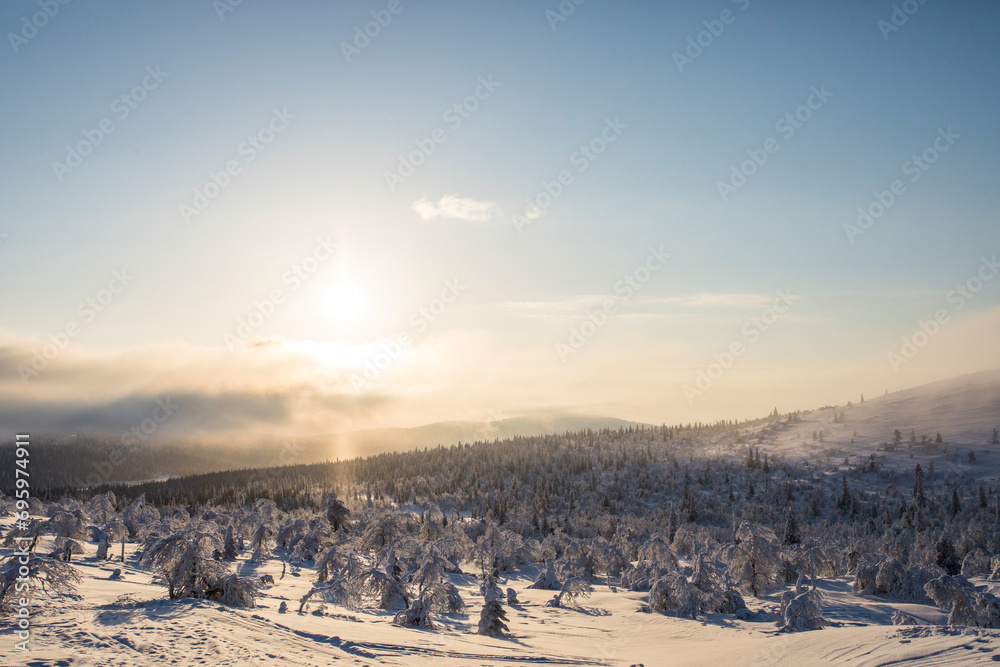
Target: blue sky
pixel 496 346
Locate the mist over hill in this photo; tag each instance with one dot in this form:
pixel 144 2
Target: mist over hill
pixel 92 460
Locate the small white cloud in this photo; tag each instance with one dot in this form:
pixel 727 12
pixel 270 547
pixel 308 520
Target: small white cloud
pixel 457 208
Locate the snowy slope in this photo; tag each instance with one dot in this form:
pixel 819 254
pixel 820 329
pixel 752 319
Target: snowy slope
pixel 964 410
pixel 605 629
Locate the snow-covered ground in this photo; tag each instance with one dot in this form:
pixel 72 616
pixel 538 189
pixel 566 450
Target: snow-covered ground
pixel 129 622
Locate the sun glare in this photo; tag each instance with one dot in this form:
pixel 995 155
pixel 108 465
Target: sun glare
pixel 346 303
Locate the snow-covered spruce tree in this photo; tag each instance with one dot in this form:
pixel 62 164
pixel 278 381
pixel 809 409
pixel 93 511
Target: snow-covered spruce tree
pixel 261 543
pixel 229 551
pixel 947 558
pixel 492 618
pixel 54 577
pixel 337 513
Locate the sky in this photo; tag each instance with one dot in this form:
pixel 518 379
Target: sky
pixel 306 217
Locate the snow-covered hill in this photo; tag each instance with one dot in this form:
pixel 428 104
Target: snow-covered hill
pixel 963 410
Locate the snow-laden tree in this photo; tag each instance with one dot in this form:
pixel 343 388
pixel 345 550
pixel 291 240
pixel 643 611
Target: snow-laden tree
pixel 103 546
pixel 431 567
pixel 229 551
pixel 547 579
pixel 656 559
pixel 947 558
pixel 417 615
pixel 102 508
pixel 336 589
pixel 802 611
pixel 337 513
pixel 673 593
pixel 139 516
pixel 53 577
pixel 901 583
pixel 976 564
pixel 316 538
pixel 575 587
pixel 262 542
pixel 185 562
pixel 965 604
pixel 500 549
pixel 384 582
pixel 443 597
pixel 333 558
pixel 381 532
pixel 68 524
pixel 711 578
pixel 492 618
pixel 754 558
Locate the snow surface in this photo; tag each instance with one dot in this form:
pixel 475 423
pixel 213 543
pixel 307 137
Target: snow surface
pixel 605 629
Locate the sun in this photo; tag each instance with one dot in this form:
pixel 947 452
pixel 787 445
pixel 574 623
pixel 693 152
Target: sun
pixel 346 303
